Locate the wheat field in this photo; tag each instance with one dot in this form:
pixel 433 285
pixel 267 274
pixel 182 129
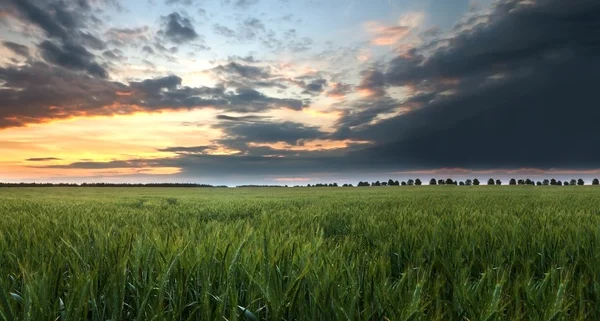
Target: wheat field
pixel 375 253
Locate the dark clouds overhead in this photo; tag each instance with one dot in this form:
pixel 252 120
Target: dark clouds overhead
pixel 178 29
pixel 71 56
pixel 62 23
pixel 40 92
pixel 266 131
pixel 517 91
pixel 512 87
pixel 17 48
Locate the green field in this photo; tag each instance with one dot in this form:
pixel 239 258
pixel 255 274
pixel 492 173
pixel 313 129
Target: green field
pixel 389 253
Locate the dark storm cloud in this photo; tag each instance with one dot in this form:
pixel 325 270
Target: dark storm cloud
pixel 71 56
pixel 44 19
pixel 516 91
pixel 315 87
pixel 39 92
pixel 361 112
pixel 17 48
pixel 61 22
pixel 178 29
pixel 373 81
pixel 42 159
pixel 265 131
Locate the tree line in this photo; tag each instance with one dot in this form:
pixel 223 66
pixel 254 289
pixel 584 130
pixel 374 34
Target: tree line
pixel 467 182
pixel 390 182
pixel 107 185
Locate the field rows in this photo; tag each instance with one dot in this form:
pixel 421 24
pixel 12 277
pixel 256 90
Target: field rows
pixel 422 253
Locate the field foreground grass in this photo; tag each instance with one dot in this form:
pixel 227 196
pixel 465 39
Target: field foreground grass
pixel 390 253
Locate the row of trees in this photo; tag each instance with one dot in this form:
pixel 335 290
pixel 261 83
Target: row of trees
pixel 105 185
pixel 467 182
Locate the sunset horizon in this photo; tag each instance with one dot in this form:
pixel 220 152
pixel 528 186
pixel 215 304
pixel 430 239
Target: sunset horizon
pixel 268 92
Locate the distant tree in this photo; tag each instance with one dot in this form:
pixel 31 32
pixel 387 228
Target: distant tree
pixel 350 185
pixel 553 182
pixel 559 183
pixel 538 183
pixel 335 185
pixel 461 183
pixel 521 181
pixel 580 182
pixel 449 181
pixel 491 181
pixel 377 183
pixel 573 182
pixel 498 182
pixel 403 183
pixel 468 182
pixel 546 182
pixel 476 182
pixel 512 182
pixel 566 183
pixel 397 183
pixel 308 185
pixel 345 185
pixel 411 182
pixel 390 182
pixel 456 183
pixel 595 182
pixel 384 183
pixel 529 182
pixel 441 182
pixel 433 182
pixel 418 182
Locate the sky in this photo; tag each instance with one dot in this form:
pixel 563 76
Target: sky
pixel 298 91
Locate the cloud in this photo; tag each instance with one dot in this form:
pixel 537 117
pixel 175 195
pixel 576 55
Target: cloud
pixel 128 36
pixel 373 82
pixel 17 48
pixel 244 4
pixel 71 56
pixel 51 92
pixel 247 30
pixel 315 86
pixel 62 24
pixel 224 31
pixel 246 75
pixel 340 90
pixel 266 131
pixel 178 29
pixel 114 54
pixel 42 159
pixel 148 50
pixel 515 91
pixel 187 150
pixel 180 2
pixel 391 35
